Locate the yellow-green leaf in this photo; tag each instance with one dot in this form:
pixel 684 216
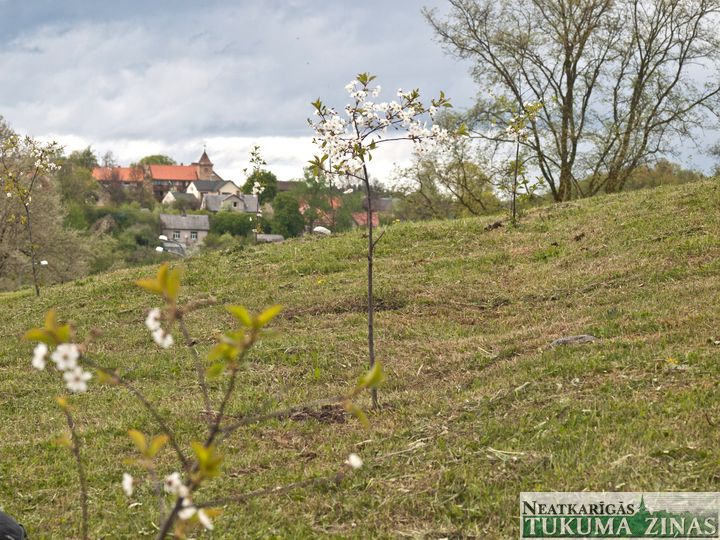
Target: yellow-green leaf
pixel 63 440
pixel 139 439
pixel 63 333
pixel 157 444
pixel 51 320
pixel 357 413
pixel 215 370
pixel 39 334
pixel 172 285
pixel 268 315
pixel 241 314
pixel 372 378
pixel 150 285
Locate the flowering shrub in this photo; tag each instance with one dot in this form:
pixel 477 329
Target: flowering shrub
pixel 23 161
pixel 178 490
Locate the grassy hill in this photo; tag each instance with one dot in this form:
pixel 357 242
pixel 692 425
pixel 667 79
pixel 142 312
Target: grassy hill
pixel 477 405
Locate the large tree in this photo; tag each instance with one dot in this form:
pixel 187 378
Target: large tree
pixel 620 81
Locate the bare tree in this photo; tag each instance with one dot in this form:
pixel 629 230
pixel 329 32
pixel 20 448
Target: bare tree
pixel 619 81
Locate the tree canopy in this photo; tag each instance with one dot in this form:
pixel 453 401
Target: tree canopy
pixel 612 79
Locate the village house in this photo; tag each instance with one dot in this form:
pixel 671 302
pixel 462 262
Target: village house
pixel 187 230
pixel 234 203
pixel 200 188
pixel 162 178
pixel 172 197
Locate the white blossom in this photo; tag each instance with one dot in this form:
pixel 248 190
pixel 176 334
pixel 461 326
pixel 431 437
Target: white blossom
pixel 76 379
pixel 205 520
pixel 39 355
pixel 153 319
pixel 188 509
pixel 65 356
pixel 127 484
pixel 173 485
pixel 162 338
pixel 354 461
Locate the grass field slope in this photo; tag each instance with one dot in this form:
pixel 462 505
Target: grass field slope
pixel 477 405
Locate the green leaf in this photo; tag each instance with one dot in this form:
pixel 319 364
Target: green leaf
pixel 208 459
pixel 268 315
pixel 139 439
pixel 358 413
pixel 215 370
pixel 241 314
pixel 372 378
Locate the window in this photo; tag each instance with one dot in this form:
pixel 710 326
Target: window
pixel 176 235
pixel 193 235
pixel 234 204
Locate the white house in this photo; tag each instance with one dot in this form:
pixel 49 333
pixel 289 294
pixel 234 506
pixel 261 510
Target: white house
pixel 188 230
pixel 235 203
pixel 200 188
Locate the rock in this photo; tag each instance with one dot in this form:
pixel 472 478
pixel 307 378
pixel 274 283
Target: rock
pixel 573 340
pixel 322 230
pixel 492 226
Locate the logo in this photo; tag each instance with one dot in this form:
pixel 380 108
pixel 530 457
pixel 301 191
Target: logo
pixel 619 515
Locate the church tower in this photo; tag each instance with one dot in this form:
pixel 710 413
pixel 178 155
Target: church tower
pixel 205 167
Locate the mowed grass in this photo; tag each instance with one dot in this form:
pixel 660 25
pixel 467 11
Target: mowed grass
pixel 476 408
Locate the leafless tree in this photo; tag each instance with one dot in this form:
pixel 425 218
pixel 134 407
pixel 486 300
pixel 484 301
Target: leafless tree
pixel 620 81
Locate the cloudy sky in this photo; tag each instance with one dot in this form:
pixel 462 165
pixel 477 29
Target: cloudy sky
pixel 169 76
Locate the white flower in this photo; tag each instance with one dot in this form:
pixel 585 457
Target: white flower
pixel 153 318
pixel 127 484
pixel 39 355
pixel 188 509
pixel 376 91
pixel 65 356
pixel 8 194
pixel 43 263
pixel 205 520
pixel 173 484
pixel 354 461
pixel 76 379
pixel 163 338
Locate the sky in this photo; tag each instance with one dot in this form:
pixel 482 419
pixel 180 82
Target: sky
pixel 171 76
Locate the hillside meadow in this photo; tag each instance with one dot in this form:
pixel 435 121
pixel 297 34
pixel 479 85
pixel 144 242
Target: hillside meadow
pixel 477 405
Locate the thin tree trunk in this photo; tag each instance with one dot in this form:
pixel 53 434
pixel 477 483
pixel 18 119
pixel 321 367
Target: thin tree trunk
pixel 370 300
pixel 32 250
pixel 514 188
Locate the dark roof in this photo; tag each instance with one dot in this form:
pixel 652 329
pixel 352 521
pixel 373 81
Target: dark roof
pixel 287 185
pixel 214 202
pixel 204 159
pixel 209 185
pixel 194 222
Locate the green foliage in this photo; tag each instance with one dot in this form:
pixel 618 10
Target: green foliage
pixel 267 182
pixel 157 159
pixel 287 219
pixel 234 223
pixel 85 158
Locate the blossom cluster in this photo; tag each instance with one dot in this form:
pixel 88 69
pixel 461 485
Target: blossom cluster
pixel 173 485
pixel 161 337
pixel 348 139
pixel 65 357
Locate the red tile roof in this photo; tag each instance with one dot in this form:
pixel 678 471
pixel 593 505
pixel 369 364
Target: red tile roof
pixel 124 174
pixel 360 219
pixel 180 173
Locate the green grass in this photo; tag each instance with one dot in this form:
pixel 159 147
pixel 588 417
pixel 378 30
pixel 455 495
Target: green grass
pixel 477 407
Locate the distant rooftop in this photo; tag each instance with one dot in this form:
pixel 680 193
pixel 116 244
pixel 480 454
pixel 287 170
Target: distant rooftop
pixel 190 222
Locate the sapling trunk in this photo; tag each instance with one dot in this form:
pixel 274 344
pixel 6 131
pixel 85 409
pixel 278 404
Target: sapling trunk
pixel 370 299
